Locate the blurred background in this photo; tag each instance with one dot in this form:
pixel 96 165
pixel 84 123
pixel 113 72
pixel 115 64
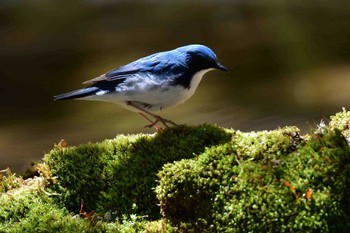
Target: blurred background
pixel 289 62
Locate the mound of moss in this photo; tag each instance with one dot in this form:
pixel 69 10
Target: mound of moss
pixel 261 182
pixel 189 179
pixel 117 176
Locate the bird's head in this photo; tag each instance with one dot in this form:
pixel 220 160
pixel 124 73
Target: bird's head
pixel 200 57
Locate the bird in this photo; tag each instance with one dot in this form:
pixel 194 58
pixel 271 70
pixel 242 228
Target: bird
pixel 152 83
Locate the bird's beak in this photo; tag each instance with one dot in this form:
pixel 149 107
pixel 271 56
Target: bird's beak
pixel 221 67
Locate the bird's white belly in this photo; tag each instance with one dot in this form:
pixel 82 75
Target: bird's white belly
pixel 156 99
pixel 151 97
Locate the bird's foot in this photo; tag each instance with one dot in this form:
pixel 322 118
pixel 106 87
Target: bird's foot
pixel 157 127
pixel 143 113
pixel 153 124
pixel 164 121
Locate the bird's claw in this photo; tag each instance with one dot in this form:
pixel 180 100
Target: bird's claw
pixel 157 127
pixel 164 121
pixel 143 113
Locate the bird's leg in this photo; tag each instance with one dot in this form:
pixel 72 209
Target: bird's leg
pixel 153 124
pixel 158 118
pixel 161 119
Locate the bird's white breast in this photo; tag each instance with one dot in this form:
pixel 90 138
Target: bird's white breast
pixel 163 98
pixel 197 77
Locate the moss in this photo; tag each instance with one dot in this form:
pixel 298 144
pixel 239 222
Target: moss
pixel 30 209
pixel 118 175
pixel 188 179
pixel 341 121
pixel 35 211
pixel 261 182
pixel 9 181
pixel 160 226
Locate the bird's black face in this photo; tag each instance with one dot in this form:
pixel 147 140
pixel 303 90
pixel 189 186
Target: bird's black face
pixel 201 61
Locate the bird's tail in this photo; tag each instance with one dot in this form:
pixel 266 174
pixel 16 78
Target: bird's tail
pixel 77 93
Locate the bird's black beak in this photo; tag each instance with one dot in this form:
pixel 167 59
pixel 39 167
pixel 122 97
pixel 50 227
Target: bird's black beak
pixel 221 67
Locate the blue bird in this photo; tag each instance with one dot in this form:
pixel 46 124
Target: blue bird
pixel 152 83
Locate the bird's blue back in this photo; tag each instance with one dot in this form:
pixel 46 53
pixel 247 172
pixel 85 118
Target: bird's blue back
pixel 158 63
pixel 173 65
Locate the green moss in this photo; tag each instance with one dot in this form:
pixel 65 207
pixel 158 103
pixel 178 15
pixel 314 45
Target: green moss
pixel 200 178
pixel 30 209
pixel 9 181
pixel 259 182
pixel 341 121
pixel 119 175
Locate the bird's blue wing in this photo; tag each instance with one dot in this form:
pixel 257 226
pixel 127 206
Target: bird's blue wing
pixel 142 65
pixel 122 72
pixel 158 64
pixel 116 75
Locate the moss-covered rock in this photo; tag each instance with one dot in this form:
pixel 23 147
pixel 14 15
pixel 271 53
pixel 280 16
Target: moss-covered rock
pixel 25 206
pixel 200 178
pixel 119 175
pixel 261 182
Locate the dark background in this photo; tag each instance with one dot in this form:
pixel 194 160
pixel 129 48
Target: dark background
pixel 289 62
